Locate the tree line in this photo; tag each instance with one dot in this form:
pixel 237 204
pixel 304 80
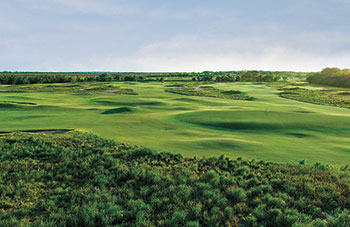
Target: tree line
pixel 245 76
pixel 73 77
pixel 40 78
pixel 331 76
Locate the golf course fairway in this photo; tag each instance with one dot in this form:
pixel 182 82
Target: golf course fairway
pixel 269 127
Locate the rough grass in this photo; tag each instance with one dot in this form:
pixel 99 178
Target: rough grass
pixel 208 91
pixel 321 96
pixel 81 88
pixel 78 179
pixel 127 103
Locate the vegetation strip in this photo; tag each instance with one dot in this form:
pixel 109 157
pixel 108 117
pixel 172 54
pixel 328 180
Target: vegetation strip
pixel 322 97
pixel 82 88
pixel 78 179
pixel 208 91
pixel 73 77
pixel 45 131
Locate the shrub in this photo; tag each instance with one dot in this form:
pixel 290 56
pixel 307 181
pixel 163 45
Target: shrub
pixel 54 180
pixel 193 224
pixel 276 202
pixel 237 195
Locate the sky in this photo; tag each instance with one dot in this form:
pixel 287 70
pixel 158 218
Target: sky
pixel 173 36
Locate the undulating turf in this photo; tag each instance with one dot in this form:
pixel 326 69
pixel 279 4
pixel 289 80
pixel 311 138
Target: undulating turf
pixel 269 127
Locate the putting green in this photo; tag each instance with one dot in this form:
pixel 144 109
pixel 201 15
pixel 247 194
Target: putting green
pixel 202 126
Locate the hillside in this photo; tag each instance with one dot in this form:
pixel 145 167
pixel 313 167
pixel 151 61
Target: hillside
pixel 79 179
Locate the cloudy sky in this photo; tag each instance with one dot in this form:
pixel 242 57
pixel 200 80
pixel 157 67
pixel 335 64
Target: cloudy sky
pixel 168 35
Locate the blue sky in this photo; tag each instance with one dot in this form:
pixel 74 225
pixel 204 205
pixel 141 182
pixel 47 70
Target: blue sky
pixel 167 35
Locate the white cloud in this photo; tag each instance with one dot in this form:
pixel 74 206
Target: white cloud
pixel 121 35
pixel 195 54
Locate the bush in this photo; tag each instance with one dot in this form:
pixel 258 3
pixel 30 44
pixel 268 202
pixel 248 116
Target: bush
pixel 237 195
pixel 78 179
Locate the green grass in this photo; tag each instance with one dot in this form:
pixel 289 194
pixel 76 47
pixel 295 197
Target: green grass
pixel 190 125
pixel 81 88
pixel 194 89
pixel 333 97
pixel 119 110
pixel 254 121
pixel 79 179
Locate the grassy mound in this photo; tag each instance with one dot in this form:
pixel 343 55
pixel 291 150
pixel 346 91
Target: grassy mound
pixel 209 91
pixel 77 179
pixel 265 121
pixel 83 88
pixel 127 102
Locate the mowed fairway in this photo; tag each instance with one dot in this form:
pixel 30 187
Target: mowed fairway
pixel 191 125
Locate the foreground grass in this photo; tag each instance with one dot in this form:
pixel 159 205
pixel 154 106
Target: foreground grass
pixel 78 179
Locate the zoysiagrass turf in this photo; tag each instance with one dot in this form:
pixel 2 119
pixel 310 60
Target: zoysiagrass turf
pixel 202 126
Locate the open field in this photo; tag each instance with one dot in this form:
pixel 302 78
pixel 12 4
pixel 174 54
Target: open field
pixel 144 114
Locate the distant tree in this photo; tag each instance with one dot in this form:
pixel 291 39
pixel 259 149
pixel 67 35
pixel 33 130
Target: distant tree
pixel 26 80
pixel 251 76
pixel 105 77
pixel 330 71
pixel 129 78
